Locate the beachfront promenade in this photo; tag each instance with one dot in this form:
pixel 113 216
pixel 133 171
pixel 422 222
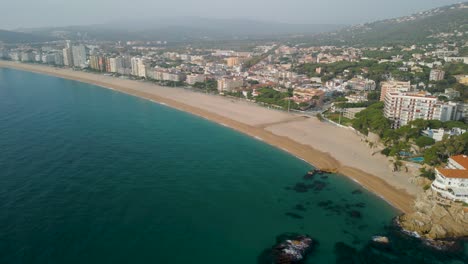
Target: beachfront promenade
pixel 319 143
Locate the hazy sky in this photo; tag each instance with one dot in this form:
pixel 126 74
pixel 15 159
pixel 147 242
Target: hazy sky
pixel 38 13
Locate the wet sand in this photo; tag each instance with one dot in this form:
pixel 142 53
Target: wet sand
pixel 321 144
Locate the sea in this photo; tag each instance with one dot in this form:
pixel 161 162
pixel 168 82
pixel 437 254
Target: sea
pixel 92 175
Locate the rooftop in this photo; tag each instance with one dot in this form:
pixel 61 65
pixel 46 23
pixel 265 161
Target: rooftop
pixel 462 160
pixel 457 174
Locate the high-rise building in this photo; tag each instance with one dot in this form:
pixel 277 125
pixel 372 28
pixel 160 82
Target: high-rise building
pixel 48 58
pixel 227 84
pixel 27 56
pixel 67 57
pixel 195 78
pixel 138 67
pixel 58 58
pixel 232 61
pixel 79 56
pixel 436 75
pixel 402 108
pixel 114 64
pixel 392 87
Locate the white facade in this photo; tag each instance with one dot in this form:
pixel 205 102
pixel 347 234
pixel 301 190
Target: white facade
pixel 195 78
pixel 116 64
pixel 229 84
pixel 402 108
pixel 436 75
pixel 452 182
pixel 392 87
pixel 79 56
pixel 67 57
pixel 438 134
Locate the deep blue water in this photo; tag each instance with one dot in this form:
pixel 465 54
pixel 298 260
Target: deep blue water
pixel 90 175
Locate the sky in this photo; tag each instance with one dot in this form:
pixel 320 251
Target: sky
pixel 40 13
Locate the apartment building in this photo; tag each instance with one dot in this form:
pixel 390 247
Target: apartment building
pixel 392 87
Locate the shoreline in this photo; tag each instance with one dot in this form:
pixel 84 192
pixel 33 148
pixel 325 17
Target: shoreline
pixel 241 120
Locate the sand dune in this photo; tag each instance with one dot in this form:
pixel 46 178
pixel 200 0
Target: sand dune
pixel 321 144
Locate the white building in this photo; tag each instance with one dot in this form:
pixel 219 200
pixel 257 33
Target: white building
pixel 436 75
pixel 452 181
pixel 438 134
pixel 456 59
pixel 351 112
pixel 392 87
pixel 67 57
pixel 228 84
pixel 58 58
pixel 402 108
pixel 79 56
pixel 138 67
pixel 48 58
pixel 195 78
pixel 116 64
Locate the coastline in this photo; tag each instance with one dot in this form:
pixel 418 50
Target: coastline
pixel 272 127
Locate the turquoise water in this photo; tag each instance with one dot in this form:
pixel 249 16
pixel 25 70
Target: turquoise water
pixel 417 159
pixel 89 175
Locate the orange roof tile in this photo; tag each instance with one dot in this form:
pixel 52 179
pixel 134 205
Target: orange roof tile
pixel 449 173
pixel 462 160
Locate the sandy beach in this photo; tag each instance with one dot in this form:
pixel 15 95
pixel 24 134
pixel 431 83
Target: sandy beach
pixel 321 144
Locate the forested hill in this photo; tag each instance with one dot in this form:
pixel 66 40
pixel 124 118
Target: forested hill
pixel 444 23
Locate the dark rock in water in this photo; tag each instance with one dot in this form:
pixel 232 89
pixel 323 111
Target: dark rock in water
pixel 289 248
pixel 355 214
pixel 325 203
pixel 300 207
pixel 357 191
pixel 318 185
pixel 301 187
pixel 294 215
pixel 324 177
pixel 292 250
pixel 360 205
pixel 308 176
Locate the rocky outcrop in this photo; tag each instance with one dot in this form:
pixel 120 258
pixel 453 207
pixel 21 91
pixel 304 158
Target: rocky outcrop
pixel 436 218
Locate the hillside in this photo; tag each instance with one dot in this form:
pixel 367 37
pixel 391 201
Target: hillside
pixel 19 37
pixel 183 29
pixel 444 23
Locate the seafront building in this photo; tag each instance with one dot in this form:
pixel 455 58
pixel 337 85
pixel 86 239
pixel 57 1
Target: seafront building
pixel 402 108
pixel 195 78
pixel 79 56
pixel 67 57
pixel 226 84
pixel 452 181
pixel 392 87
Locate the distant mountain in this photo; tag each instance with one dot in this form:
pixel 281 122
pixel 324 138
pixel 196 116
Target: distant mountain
pixel 182 29
pixel 449 22
pixel 20 37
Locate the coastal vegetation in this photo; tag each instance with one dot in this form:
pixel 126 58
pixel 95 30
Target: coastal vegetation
pixel 402 142
pixel 371 69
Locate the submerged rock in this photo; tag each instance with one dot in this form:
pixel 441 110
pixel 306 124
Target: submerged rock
pixel 300 207
pixel 355 214
pixel 294 215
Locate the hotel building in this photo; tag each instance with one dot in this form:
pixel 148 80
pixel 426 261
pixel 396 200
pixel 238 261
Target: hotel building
pixel 392 87
pixel 402 108
pixel 452 181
